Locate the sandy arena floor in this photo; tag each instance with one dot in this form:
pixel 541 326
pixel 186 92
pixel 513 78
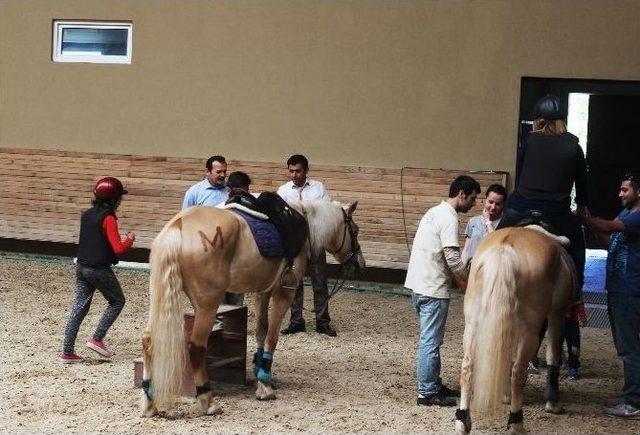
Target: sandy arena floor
pixel 361 381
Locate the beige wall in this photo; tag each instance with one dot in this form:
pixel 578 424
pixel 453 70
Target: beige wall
pixel 370 82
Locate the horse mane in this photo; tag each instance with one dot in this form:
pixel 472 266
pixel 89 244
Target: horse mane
pixel 324 219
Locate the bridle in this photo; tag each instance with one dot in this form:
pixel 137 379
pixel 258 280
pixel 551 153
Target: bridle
pixel 355 246
pixel 352 259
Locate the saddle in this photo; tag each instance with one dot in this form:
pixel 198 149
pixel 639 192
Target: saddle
pixel 535 217
pixel 247 201
pixel 543 221
pixel 291 225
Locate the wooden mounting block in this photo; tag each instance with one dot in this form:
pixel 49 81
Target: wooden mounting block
pixel 226 357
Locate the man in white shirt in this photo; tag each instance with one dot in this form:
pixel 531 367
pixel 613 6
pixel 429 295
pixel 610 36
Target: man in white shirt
pixel 302 188
pixel 435 268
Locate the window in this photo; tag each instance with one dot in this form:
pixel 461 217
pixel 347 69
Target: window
pixel 92 42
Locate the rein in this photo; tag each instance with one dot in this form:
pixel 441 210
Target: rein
pixel 338 284
pixel 355 246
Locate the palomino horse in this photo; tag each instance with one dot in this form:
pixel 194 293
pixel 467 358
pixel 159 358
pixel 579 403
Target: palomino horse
pixel 205 251
pixel 518 278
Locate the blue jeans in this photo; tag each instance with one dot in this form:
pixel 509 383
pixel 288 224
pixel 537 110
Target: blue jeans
pixel 433 316
pixel 624 316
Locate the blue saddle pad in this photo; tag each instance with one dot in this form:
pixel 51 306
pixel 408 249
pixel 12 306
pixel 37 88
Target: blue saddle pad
pixel 265 234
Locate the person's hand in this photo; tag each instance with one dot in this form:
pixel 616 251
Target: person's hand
pixel 131 236
pixel 486 218
pixel 462 284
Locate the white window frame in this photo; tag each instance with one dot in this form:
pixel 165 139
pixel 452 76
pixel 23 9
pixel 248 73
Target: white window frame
pixel 60 25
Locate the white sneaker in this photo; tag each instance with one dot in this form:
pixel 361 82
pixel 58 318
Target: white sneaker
pixel 623 410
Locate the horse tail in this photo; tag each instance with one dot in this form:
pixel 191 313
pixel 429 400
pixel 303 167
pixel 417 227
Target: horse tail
pixel 491 352
pixel 165 324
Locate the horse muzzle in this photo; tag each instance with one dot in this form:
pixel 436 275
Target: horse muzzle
pixel 354 266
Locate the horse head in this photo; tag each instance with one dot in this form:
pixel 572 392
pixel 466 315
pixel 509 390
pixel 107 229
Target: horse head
pixel 331 228
pixel 344 246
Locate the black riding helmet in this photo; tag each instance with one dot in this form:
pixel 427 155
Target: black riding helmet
pixel 549 107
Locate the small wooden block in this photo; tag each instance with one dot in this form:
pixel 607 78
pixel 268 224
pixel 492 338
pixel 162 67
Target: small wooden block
pixel 226 357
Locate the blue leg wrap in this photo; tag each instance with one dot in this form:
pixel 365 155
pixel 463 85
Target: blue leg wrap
pixel 264 370
pixel 257 357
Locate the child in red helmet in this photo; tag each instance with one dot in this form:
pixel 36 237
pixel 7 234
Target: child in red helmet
pixel 98 249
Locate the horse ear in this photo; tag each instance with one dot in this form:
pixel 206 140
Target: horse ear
pixel 351 208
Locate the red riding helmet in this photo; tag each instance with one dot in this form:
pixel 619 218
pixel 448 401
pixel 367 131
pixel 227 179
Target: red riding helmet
pixel 109 188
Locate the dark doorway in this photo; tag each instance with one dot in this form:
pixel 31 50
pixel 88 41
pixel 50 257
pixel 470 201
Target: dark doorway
pixel 610 143
pixel 612 149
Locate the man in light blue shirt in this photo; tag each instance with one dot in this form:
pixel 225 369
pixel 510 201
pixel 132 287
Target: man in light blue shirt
pixel 212 190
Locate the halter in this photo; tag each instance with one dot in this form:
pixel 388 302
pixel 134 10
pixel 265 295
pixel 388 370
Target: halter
pixel 351 258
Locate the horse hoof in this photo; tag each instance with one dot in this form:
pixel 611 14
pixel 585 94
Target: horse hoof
pixel 214 409
pixel 516 428
pixel 266 397
pixel 553 408
pixel 148 409
pixel 461 428
pixel 148 413
pixel 264 392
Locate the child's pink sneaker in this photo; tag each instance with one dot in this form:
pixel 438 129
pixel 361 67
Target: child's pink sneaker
pixel 100 347
pixel 69 358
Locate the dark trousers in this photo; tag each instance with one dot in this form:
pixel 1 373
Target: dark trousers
pixel 88 280
pixel 624 316
pixel 318 273
pixel 233 298
pixel 571 337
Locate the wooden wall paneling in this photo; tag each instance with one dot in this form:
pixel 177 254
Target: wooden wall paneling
pixel 46 204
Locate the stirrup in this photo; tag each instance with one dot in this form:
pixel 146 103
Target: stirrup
pixel 288 280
